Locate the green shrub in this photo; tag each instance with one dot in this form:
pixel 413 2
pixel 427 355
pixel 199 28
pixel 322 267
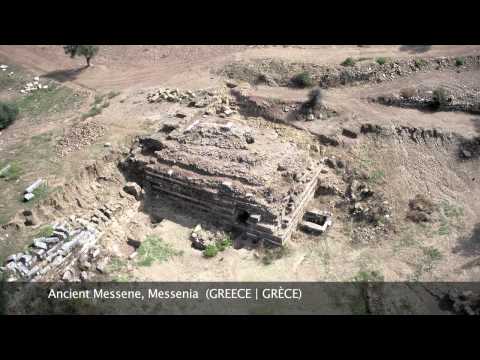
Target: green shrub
pixel 113 94
pixel 348 62
pixel 8 114
pixel 94 111
pixel 210 251
pixel 98 99
pixel 45 231
pixel 270 255
pixel 303 80
pixel 459 61
pixel 381 60
pixel 153 249
pixel 439 98
pixel 420 62
pixel 225 243
pixel 368 276
pixel 12 173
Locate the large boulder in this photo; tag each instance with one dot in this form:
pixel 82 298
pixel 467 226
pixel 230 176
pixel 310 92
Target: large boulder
pixel 133 189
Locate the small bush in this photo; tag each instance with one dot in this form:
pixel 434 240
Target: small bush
pixel 459 61
pixel 420 62
pixel 303 80
pixel 368 276
pixel 381 60
pixel 13 173
pixel 113 94
pixel 210 251
pixel 421 203
pixel 98 99
pixel 376 176
pixel 8 114
pixel 224 244
pixel 45 231
pixel 269 255
pixel 440 98
pixel 94 111
pixel 153 249
pixel 41 191
pixel 432 254
pixel 348 62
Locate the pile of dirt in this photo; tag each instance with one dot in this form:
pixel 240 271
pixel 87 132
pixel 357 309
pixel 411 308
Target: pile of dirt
pixel 279 72
pixel 78 137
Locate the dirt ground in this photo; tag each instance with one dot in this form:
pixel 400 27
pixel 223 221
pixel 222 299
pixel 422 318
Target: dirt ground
pixel 444 250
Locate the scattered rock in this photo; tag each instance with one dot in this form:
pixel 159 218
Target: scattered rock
pixel 79 136
pixel 31 220
pixel 134 243
pixel 181 115
pixel 349 133
pixel 466 154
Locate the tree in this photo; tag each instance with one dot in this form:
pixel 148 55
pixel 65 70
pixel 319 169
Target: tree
pixel 88 51
pixel 314 98
pixel 8 113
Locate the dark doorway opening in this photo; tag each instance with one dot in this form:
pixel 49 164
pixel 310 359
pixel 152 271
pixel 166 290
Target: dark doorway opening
pixel 242 217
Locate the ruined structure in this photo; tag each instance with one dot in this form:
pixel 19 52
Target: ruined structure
pixel 246 178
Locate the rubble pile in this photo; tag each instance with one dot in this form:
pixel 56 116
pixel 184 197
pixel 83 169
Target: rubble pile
pixel 79 136
pixel 4 68
pixel 366 205
pixel 62 253
pixel 280 72
pixel 215 102
pixel 33 86
pixel 202 238
pixel 63 249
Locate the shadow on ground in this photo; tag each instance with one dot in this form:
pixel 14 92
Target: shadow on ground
pixel 469 148
pixel 65 75
pixel 415 49
pixel 470 245
pixel 476 124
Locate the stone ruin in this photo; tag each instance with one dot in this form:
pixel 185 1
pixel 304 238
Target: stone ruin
pixel 247 179
pixel 54 253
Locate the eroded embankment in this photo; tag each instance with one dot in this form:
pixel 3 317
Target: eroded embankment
pixel 274 72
